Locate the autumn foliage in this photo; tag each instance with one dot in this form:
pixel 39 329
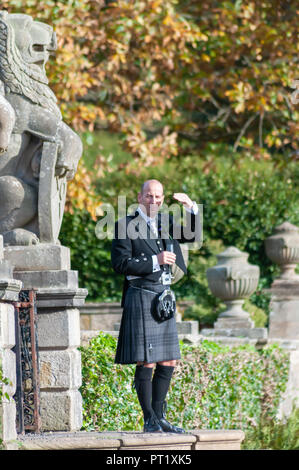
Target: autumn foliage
pixel 172 76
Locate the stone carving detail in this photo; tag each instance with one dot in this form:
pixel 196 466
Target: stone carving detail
pixel 39 153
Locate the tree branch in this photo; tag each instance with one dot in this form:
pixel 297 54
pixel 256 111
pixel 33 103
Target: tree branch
pixel 243 130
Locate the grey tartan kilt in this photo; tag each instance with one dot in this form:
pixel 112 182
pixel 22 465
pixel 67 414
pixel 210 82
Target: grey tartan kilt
pixel 141 337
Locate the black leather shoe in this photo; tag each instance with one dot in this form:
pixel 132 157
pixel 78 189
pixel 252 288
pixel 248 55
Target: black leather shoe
pixel 152 425
pixel 168 427
pixel 160 410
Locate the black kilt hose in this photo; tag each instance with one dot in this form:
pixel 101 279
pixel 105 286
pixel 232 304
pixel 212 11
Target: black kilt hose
pixel 141 337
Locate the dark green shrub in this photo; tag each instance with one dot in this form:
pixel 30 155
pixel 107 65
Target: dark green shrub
pixel 109 402
pixel 90 257
pixel 272 434
pixel 213 387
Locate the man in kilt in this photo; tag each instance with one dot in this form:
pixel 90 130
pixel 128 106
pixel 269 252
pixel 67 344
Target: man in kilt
pixel 144 247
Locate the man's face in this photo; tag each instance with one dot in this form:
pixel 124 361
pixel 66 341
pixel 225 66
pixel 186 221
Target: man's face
pixel 151 198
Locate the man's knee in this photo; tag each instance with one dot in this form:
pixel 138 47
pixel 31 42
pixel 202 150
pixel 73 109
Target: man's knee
pixel 146 364
pixel 168 363
pixel 171 363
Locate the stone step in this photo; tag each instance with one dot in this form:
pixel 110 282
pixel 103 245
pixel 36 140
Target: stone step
pixel 232 341
pixel 125 440
pixel 258 333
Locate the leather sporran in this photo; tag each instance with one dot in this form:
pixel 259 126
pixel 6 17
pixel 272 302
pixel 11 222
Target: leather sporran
pixel 164 306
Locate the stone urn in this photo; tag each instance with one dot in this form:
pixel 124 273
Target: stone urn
pixel 283 249
pixel 232 280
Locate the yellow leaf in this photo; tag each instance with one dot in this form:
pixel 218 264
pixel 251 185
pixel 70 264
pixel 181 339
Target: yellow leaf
pixel 205 57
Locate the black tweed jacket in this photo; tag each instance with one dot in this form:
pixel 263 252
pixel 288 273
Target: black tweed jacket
pixel 134 244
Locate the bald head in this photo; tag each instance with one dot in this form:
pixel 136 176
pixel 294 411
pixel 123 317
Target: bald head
pixel 150 184
pixel 151 197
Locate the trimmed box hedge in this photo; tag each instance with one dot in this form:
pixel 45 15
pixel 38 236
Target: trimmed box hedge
pixel 213 387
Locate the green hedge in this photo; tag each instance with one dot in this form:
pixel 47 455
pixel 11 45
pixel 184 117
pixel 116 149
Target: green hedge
pixel 214 387
pixel 90 257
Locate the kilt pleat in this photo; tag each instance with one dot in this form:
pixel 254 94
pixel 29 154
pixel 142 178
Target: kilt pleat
pixel 141 337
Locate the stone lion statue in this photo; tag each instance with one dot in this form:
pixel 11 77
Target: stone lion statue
pixel 39 153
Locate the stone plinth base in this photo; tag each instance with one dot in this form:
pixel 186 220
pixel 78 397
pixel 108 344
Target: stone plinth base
pixel 233 322
pixel 60 368
pixel 61 410
pixel 42 257
pixel 284 310
pixel 252 333
pixel 236 328
pixel 124 440
pixel 58 332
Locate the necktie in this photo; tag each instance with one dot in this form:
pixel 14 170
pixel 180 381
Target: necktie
pixel 152 225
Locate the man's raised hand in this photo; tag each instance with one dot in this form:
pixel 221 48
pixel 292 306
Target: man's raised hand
pixel 184 199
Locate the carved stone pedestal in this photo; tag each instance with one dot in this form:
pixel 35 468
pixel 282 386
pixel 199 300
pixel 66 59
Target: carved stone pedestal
pixel 283 249
pixel 60 362
pixel 58 329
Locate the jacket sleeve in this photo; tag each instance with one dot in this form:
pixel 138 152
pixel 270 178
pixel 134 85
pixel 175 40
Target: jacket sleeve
pixel 189 233
pixel 123 262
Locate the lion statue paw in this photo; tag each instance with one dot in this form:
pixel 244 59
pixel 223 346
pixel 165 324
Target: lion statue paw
pixel 20 237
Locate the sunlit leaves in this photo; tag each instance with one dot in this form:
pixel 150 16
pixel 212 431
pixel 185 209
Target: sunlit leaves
pixel 143 62
pixel 205 71
pixel 81 193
